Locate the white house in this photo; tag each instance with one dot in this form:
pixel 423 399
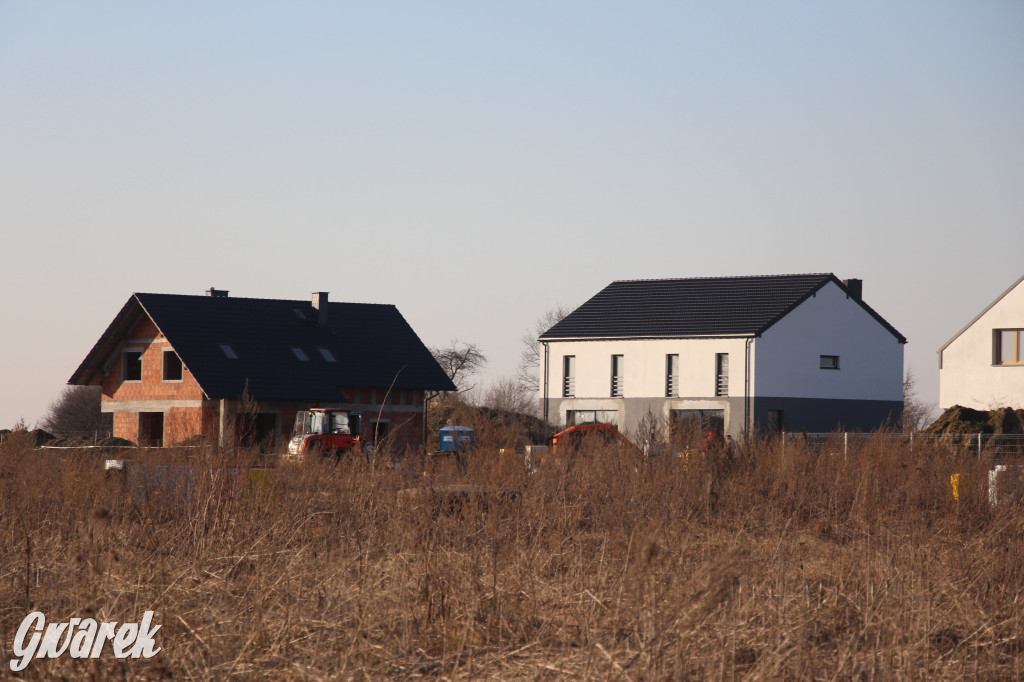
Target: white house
pixel 793 352
pixel 982 366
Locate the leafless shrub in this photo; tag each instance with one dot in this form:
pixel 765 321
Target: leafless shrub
pixel 76 414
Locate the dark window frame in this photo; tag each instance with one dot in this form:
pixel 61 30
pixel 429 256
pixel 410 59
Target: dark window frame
pixel 828 361
pixel 998 350
pixel 568 376
pixel 618 378
pixel 672 375
pixel 721 375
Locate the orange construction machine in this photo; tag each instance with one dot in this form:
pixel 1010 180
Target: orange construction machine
pixel 324 430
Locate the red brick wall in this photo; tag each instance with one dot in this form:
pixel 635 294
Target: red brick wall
pixel 152 386
pixel 179 423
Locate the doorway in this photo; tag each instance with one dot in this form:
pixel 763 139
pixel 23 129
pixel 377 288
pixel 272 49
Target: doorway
pixel 151 429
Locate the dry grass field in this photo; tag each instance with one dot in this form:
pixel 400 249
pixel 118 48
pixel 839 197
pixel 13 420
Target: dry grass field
pixel 779 564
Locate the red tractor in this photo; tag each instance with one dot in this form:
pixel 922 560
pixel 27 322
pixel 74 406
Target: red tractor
pixel 325 431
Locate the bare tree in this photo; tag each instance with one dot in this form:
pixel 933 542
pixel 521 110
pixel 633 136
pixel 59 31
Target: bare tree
pixel 76 414
pixel 508 394
pixel 916 412
pixel 460 361
pixel 528 372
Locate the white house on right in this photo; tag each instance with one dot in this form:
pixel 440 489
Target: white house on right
pixel 982 366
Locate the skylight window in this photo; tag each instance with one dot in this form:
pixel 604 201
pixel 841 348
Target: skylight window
pixel 326 354
pixel 229 351
pixel 299 314
pixel 300 354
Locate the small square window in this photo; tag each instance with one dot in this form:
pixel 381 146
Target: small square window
pixel 228 351
pixel 326 354
pixel 173 369
pixel 300 354
pixel 829 362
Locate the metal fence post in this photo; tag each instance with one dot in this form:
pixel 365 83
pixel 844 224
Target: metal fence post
pixel 846 443
pixel 979 446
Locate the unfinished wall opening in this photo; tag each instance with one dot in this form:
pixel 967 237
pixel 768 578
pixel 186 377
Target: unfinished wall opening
pixel 132 365
pixel 256 430
pixel 151 429
pixel 173 369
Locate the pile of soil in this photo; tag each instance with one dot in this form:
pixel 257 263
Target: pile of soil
pixel 964 420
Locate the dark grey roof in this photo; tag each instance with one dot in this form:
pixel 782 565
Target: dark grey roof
pixel 372 344
pixel 706 306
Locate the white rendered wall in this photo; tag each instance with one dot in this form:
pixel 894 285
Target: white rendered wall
pixel 788 353
pixel 967 375
pixel 644 366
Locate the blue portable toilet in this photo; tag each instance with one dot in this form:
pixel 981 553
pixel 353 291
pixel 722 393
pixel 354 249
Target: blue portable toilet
pixel 456 438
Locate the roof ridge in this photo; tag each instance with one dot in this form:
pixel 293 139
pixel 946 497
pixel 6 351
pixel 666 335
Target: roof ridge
pixel 253 298
pixel 686 279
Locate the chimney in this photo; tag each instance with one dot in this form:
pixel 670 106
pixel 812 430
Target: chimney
pixel 217 293
pixel 855 287
pixel 320 303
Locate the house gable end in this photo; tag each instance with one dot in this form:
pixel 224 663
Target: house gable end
pixel 978 317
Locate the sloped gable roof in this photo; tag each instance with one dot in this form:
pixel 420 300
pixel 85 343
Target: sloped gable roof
pixel 372 344
pixel 694 307
pixel 977 317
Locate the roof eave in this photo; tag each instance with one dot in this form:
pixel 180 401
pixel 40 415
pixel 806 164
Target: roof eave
pixel 91 364
pixel 981 314
pixel 645 337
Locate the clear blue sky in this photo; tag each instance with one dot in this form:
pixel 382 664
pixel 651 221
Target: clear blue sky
pixel 478 163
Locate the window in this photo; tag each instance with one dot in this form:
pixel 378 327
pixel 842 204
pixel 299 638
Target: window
pixel 1009 347
pixel 690 425
pixel 228 351
pixel 616 376
pixel 133 365
pixel 829 362
pixel 568 376
pixel 326 354
pixel 721 374
pixel 576 417
pixel 671 376
pixel 172 366
pixel 300 354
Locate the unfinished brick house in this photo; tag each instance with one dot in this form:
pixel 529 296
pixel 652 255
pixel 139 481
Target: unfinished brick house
pixel 176 368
